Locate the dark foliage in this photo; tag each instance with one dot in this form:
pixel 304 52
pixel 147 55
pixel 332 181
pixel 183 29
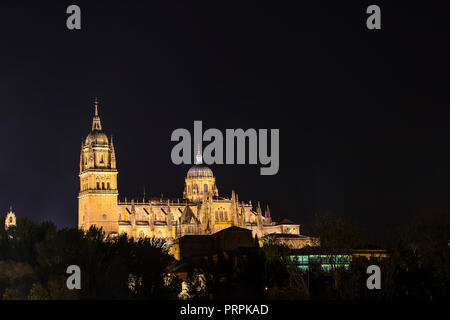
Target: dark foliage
pixel 34 259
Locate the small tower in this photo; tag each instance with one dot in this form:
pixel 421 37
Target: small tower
pixel 10 220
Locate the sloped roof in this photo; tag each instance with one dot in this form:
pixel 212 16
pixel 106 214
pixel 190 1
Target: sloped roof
pixel 287 235
pixel 188 215
pixel 233 228
pixel 286 221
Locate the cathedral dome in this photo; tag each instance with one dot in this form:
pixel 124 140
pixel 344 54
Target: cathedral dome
pixel 200 170
pixel 96 137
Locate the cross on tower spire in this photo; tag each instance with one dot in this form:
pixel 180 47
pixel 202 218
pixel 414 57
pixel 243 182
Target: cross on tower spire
pixel 96 106
pixel 96 124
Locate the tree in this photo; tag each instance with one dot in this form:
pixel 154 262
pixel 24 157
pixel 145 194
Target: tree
pixel 38 292
pixel 12 294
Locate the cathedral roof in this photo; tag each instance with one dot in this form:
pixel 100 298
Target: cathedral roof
pixel 188 216
pixel 96 137
pixel 199 169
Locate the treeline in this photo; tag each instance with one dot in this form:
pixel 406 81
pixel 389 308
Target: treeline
pixel 34 259
pixel 418 266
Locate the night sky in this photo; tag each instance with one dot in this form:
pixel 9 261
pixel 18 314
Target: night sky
pixel 363 115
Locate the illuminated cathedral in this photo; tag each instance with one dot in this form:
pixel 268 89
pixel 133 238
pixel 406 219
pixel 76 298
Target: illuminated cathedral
pixel 200 211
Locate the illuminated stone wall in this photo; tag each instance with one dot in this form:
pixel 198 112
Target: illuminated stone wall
pixel 200 211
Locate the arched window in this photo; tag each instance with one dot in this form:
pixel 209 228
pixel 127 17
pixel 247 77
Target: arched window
pixel 205 188
pixel 217 215
pixel 221 215
pixel 196 188
pixel 226 216
pixel 10 220
pixel 108 186
pixel 98 185
pixel 188 189
pixel 103 185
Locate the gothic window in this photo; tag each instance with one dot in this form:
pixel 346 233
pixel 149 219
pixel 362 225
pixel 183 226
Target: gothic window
pixel 205 188
pixel 221 215
pixel 98 185
pixel 188 188
pixel 10 220
pixel 108 186
pixel 103 185
pixel 217 215
pixel 226 216
pixel 101 160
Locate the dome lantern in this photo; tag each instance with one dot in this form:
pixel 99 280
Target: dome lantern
pixel 200 181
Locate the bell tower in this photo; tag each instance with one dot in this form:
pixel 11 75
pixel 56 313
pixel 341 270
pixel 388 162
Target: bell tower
pixel 97 200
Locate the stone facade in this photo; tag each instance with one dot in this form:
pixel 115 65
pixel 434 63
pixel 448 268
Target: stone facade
pixel 200 211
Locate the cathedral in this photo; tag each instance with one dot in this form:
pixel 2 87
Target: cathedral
pixel 200 211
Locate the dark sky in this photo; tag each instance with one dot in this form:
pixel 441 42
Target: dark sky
pixel 363 115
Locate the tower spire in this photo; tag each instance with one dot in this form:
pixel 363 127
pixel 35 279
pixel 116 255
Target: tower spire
pixel 267 212
pixel 96 124
pixel 198 157
pixel 96 106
